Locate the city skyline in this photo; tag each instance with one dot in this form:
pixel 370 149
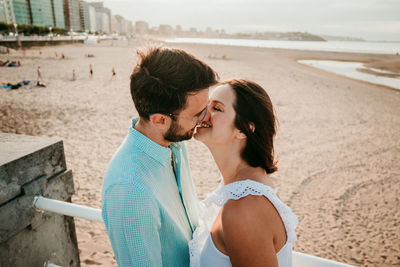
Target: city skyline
pixel 71 15
pixel 370 19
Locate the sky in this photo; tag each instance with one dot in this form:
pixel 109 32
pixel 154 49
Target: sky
pixel 368 19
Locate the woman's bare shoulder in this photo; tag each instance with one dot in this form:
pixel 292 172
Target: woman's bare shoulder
pixel 248 211
pixel 248 231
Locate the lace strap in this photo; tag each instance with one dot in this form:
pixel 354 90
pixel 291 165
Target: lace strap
pixel 244 188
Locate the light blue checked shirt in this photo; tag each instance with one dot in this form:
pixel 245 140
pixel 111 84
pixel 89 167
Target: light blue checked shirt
pixel 149 214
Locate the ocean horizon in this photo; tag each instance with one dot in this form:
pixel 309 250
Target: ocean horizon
pixel 331 46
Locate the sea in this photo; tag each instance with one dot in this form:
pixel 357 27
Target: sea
pixel 333 46
pixel 350 69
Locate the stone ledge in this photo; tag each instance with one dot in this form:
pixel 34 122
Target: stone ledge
pixel 26 158
pixel 19 213
pixel 32 166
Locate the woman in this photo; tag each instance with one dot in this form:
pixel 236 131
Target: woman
pixel 243 223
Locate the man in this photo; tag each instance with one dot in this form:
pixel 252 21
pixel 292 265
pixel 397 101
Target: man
pixel 149 200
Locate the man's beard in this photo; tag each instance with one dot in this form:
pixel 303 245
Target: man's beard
pixel 172 134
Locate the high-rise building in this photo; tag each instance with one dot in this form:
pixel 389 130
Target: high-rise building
pixel 7 12
pixel 210 33
pixel 92 19
pixel 165 30
pixel 103 22
pixel 45 13
pixel 84 15
pixel 72 16
pixel 99 21
pixel 103 17
pixel 106 21
pixel 119 25
pixel 22 12
pixel 42 13
pixel 178 30
pixel 193 31
pixel 58 13
pixel 130 28
pixel 114 24
pixel 141 27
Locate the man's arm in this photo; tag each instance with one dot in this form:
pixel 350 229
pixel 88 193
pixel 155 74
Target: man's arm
pixel 133 222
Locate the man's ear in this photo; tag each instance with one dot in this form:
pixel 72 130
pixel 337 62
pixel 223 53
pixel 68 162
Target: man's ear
pixel 160 120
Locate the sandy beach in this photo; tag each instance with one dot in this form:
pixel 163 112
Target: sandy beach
pixel 338 139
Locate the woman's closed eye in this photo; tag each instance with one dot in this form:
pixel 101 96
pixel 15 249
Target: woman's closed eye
pixel 216 108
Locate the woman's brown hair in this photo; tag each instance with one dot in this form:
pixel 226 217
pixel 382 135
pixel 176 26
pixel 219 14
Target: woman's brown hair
pixel 256 119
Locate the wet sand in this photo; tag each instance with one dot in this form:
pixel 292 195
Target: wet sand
pixel 338 141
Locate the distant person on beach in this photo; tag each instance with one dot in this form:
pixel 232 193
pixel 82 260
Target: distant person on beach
pixel 9 63
pixel 91 70
pixel 39 73
pixel 40 84
pixel 13 86
pixel 113 72
pixel 73 75
pixel 62 56
pixel 244 222
pixel 149 203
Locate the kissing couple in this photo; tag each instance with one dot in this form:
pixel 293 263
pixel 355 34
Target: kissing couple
pixel 149 204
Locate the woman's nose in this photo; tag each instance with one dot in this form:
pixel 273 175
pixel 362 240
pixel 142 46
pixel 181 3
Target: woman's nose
pixel 208 114
pixel 205 116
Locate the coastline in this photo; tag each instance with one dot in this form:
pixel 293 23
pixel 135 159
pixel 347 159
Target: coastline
pixel 337 143
pixel 383 62
pixel 364 47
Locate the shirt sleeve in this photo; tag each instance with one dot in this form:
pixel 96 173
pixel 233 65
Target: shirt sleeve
pixel 133 223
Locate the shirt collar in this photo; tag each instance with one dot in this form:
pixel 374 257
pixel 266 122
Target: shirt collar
pixel 158 152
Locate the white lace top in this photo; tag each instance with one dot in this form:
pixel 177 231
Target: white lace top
pixel 202 249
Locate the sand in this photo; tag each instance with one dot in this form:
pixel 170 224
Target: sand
pixel 338 141
pixel 392 65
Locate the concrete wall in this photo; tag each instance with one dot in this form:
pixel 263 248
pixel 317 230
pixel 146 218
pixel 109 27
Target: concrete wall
pixel 31 166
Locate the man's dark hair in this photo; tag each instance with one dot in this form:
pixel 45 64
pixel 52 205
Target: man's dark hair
pixel 164 77
pixel 256 119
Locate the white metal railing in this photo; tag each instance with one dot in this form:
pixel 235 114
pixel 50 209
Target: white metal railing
pixel 66 208
pixel 306 260
pixel 92 214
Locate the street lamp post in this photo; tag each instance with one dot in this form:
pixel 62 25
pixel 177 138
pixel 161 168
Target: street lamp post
pixel 51 34
pixel 17 35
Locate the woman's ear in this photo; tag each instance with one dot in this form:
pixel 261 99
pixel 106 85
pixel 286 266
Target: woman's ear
pixel 240 135
pixel 252 127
